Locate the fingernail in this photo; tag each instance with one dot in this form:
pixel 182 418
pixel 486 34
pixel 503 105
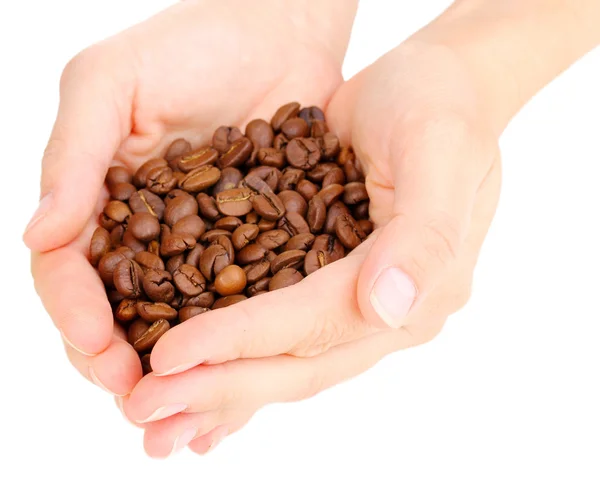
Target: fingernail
pixel 392 296
pixel 217 440
pixel 66 340
pixel 40 212
pixel 98 383
pixel 179 369
pixel 164 412
pixel 183 440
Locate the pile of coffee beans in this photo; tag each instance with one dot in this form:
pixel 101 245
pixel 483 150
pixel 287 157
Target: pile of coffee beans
pixel 199 230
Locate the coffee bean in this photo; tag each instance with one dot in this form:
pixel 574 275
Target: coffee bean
pixel 290 178
pixel 252 218
pixel 366 226
pixel 114 296
pixel 284 113
pixel 175 244
pixel 100 245
pixel 146 201
pixel 160 180
pixel 331 194
pixel 271 157
pixel 157 285
pixel 349 232
pixel 122 191
pixel 290 258
pixel 237 155
pixel 228 223
pixel 346 155
pixel 200 179
pixel 151 312
pixel 189 280
pixel 177 148
pixel 125 311
pixel 300 242
pixel 355 192
pixel 188 312
pixel 244 235
pixel 116 236
pixel 213 235
pixel 280 142
pixel 214 259
pixel 315 260
pixel 330 245
pixel 193 256
pixel 330 146
pixel 146 366
pixel 293 202
pixel 154 247
pixel 207 207
pixel 228 301
pixel 265 225
pixel 303 153
pixel 144 226
pixel 224 137
pixel 136 330
pixel 294 224
pixel 317 175
pixel 190 224
pixel 269 174
pixel 204 300
pixel 230 178
pixel 361 211
pixel 307 189
pixel 235 202
pixel 117 175
pixel 140 176
pixel 147 261
pixel 251 253
pixel 117 211
pixel 285 278
pixel 107 264
pixel 225 242
pixel 260 287
pixel 352 172
pixel 336 210
pixel 148 339
pixel 179 208
pixel 127 278
pixel 273 239
pixel 318 129
pixel 311 114
pixel 197 159
pixel 260 133
pixel 334 177
pixel 264 202
pixel 231 280
pixel 129 240
pixel 173 263
pixel 317 213
pixel 295 128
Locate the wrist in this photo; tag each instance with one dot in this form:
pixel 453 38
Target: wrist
pixel 513 48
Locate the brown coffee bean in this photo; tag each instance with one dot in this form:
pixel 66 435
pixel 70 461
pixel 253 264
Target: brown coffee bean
pixel 122 191
pixel 179 208
pixel 231 280
pixel 251 253
pixel 157 285
pixel 207 207
pixel 273 239
pixel 224 137
pixel 177 148
pixel 264 201
pixel 237 155
pixel 175 244
pixel 349 232
pixel 107 264
pixel 214 259
pixel 355 192
pixel 134 244
pixel 228 223
pixel 146 366
pixel 154 247
pixel 188 312
pixel 291 258
pixel 146 201
pixel 330 245
pixel 160 180
pixel 315 260
pixel 268 174
pixel 173 263
pixel 295 128
pixel 294 224
pixel 303 153
pixel 284 113
pixel 311 114
pixel 193 256
pixel 317 175
pixel 366 226
pixel 144 226
pixel 285 278
pixel 147 340
pixel 290 178
pixel 307 189
pixel 189 280
pixel 230 178
pixel 330 146
pixel 117 211
pixel 235 202
pixel 336 210
pixel 334 177
pixel 106 223
pixel 317 213
pixel 257 270
pixel 136 330
pixel 352 172
pixel 116 236
pixel 331 194
pixel 244 235
pixel 125 311
pixel 212 235
pixel 260 287
pixel 252 218
pixel 280 142
pixel 100 245
pixel 127 278
pixel 114 296
pixel 197 159
pixel 223 302
pixel 293 202
pixel 190 224
pixel 260 133
pixel 300 242
pixel 151 312
pixel 318 129
pixel 200 179
pixel 204 300
pixel 361 210
pixel 271 157
pixel 148 260
pixel 117 175
pixel 140 176
pixel 225 242
pixel 266 225
pixel 346 155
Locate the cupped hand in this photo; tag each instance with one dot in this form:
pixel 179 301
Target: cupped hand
pixel 183 73
pixel 433 175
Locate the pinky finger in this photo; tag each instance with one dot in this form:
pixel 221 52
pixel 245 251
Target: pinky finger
pixel 208 442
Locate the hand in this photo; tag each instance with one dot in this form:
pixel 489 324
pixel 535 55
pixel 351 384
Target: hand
pixel 433 176
pixel 183 73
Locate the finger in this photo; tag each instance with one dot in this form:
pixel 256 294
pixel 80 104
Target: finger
pixel 75 298
pixel 436 172
pixel 325 312
pixel 207 443
pixel 92 120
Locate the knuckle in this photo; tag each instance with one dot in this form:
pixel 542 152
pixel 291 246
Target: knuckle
pixel 81 63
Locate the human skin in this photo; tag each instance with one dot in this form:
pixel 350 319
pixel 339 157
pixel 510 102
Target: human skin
pixel 424 120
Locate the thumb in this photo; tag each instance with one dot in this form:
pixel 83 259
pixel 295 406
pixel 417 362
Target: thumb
pixel 86 135
pixel 436 178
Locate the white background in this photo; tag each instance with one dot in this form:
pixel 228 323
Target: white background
pixel 507 393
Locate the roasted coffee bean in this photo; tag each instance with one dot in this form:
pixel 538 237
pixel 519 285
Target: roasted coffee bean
pixel 129 240
pixel 366 226
pixel 114 296
pixel 200 179
pixel 295 128
pixel 117 175
pixel 284 278
pixel 107 264
pixel 148 260
pixel 355 192
pixel 136 330
pixel 180 207
pixel 223 302
pixel 204 300
pixel 251 253
pixel 212 235
pixel 146 366
pixel 100 245
pixel 140 176
pixel 147 340
pixel 273 239
pixel 230 178
pixel 190 224
pixel 193 256
pixel 224 137
pixel 271 157
pixel 311 114
pixel 334 176
pixel 235 202
pixel 293 223
pixel 260 133
pixel 175 244
pixel 173 263
pixel 300 242
pixel 290 258
pixel 330 146
pixel 117 211
pixel 352 172
pixel 107 223
pixel 290 178
pixel 237 155
pixel 228 223
pixel 231 280
pixel 330 245
pixel 154 247
pixel 125 311
pixel 160 180
pixel 284 113
pixel 280 142
pixel 331 194
pixel 316 215
pixel 265 225
pixel 127 278
pixel 315 260
pixel 346 155
pixel 349 232
pixel 197 159
pixel 303 153
pixel 336 210
pixel 264 201
pixel 157 285
pixel 214 259
pixel 122 191
pixel 244 235
pixel 225 242
pixel 151 312
pixel 188 312
pixel 318 129
pixel 252 218
pixel 268 174
pixel 293 202
pixel 317 175
pixel 177 148
pixel 116 236
pixel 189 280
pixel 179 301
pixel 361 211
pixel 307 189
pixel 207 207
pixel 260 286
pixel 144 226
pixel 146 201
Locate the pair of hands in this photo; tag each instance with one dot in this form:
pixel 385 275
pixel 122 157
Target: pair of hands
pixel 432 172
